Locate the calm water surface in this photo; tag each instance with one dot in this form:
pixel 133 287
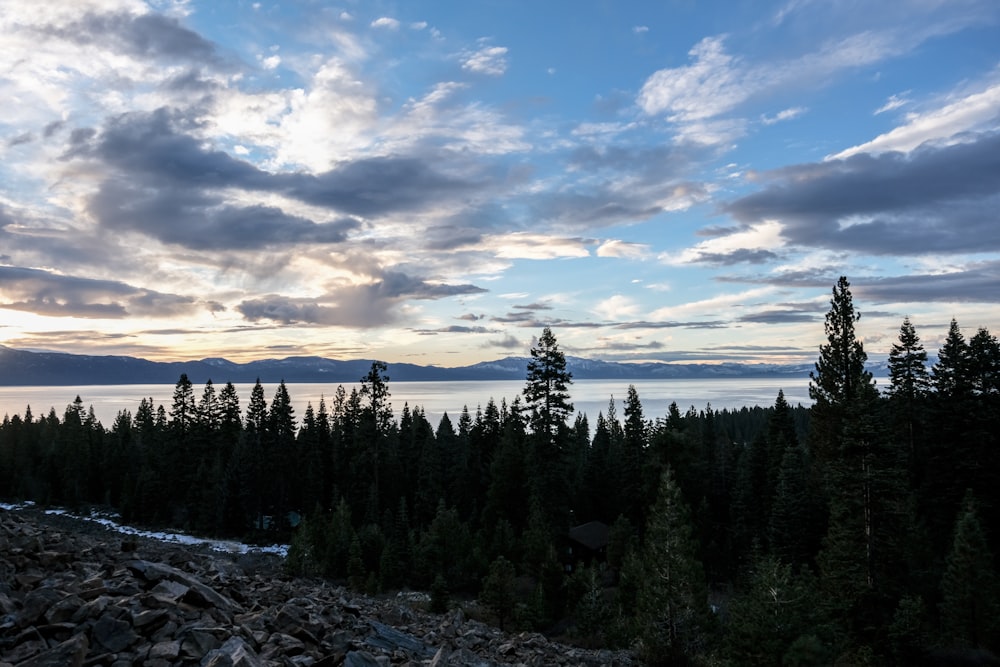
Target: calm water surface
pixel 436 398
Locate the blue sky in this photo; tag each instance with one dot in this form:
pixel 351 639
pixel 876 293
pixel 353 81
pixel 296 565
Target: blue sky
pixel 435 182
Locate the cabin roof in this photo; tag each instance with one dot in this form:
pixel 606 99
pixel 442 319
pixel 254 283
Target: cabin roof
pixel 593 535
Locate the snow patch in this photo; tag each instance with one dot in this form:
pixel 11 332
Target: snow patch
pixel 110 521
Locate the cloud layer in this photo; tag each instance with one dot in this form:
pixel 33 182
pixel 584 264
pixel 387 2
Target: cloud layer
pixel 212 177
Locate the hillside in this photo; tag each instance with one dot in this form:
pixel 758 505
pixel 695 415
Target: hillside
pixel 74 593
pixel 28 368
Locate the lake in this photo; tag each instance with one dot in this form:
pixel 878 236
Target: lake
pixel 436 398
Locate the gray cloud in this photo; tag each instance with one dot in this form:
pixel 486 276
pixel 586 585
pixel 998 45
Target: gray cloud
pixel 374 186
pixel 714 324
pixel 368 305
pixel 289 310
pixel 975 283
pixel 197 220
pixel 23 138
pixel 780 317
pixel 714 231
pixel 599 208
pixel 53 127
pixel 978 283
pixel 166 187
pixel 528 319
pixel 455 328
pixel 622 183
pixel 625 346
pixel 48 293
pixel 656 164
pixel 152 36
pixel 506 343
pixel 740 256
pixel 933 200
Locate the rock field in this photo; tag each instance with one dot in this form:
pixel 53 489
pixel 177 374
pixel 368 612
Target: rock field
pixel 74 594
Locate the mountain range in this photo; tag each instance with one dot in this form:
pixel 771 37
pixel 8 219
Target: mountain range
pixel 36 368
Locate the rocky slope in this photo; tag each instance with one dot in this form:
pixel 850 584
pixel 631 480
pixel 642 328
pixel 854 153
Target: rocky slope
pixel 79 595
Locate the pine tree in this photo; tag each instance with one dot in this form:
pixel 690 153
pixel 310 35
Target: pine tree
pixel 840 377
pixel 969 593
pixel 184 410
pixel 546 392
pixel 673 616
pixel 499 593
pixel 793 511
pixel 950 374
pixel 984 363
pixel 633 452
pixel 373 432
pixel 909 384
pixel 775 608
pixel 908 378
pixel 862 475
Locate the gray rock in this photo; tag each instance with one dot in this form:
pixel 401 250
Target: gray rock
pixel 87 602
pixel 113 634
pixel 70 653
pixel 234 653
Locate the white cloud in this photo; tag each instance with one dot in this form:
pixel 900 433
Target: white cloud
pixel 763 237
pixel 418 25
pixel 328 122
pixel 386 22
pixel 616 307
pixel 716 306
pixel 786 114
pixel 522 245
pixel 600 129
pixel 623 250
pixel 973 112
pixel 716 83
pixel 789 8
pixel 472 127
pixel 894 102
pixel 640 29
pixel 271 62
pixel 489 60
pixel 711 85
pixel 711 132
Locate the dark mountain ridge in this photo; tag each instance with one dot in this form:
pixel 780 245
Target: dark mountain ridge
pixel 27 368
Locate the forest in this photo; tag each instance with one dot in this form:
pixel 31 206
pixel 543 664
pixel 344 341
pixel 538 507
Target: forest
pixel 860 530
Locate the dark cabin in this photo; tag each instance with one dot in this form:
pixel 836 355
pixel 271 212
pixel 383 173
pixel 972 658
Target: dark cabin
pixel 585 544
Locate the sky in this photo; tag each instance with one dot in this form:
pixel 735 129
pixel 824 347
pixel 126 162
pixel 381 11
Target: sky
pixel 436 182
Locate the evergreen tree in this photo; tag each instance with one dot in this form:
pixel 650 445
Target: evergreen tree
pixel 840 377
pixel 184 410
pixel 984 363
pixel 633 453
pixel 909 384
pixel 509 490
pixel 969 593
pixel 908 378
pixel 863 479
pixel 776 608
pixel 546 392
pixel 499 593
pixel 373 433
pixel 673 616
pixel 950 375
pixel 253 470
pixel 793 512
